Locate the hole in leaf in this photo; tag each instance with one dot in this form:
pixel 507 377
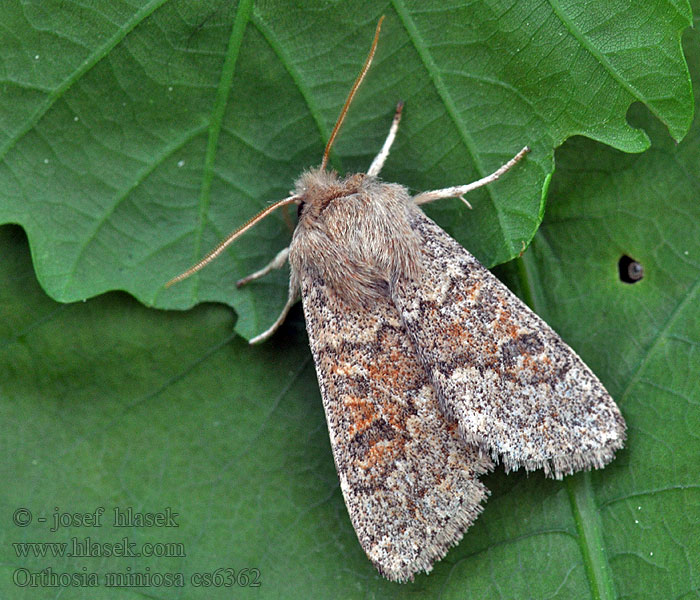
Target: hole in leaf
pixel 630 270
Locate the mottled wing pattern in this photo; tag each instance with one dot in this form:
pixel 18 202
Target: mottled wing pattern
pixel 409 480
pixel 515 388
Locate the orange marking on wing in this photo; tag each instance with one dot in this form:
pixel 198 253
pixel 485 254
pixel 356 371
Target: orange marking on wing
pixel 457 331
pixel 382 452
pixel 392 372
pixel 362 414
pixel 474 290
pixel 506 323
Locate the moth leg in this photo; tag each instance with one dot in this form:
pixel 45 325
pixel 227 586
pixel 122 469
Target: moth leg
pixel 291 299
pixel 378 161
pixel 459 190
pixel 275 263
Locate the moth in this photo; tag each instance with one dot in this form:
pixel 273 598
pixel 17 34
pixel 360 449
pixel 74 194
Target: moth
pixel 430 369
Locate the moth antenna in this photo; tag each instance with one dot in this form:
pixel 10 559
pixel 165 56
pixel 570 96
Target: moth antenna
pixel 225 243
pixel 351 95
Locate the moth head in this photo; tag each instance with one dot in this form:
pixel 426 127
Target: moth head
pixel 317 188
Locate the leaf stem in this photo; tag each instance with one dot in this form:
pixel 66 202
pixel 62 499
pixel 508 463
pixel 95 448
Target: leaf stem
pixel 590 536
pixel 584 510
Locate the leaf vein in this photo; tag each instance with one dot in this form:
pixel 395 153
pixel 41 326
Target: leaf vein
pixel 441 89
pixel 228 70
pixel 82 69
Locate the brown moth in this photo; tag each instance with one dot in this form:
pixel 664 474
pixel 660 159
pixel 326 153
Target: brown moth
pixel 430 369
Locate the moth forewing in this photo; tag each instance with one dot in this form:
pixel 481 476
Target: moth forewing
pixel 516 389
pixel 408 479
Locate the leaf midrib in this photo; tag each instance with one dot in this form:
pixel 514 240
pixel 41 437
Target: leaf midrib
pixel 584 510
pixel 228 70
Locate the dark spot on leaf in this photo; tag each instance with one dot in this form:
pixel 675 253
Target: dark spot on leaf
pixel 630 270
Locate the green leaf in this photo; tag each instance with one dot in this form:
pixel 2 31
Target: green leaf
pixel 134 136
pixel 107 403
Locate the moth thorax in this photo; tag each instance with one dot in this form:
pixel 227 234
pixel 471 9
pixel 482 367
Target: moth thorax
pixel 355 234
